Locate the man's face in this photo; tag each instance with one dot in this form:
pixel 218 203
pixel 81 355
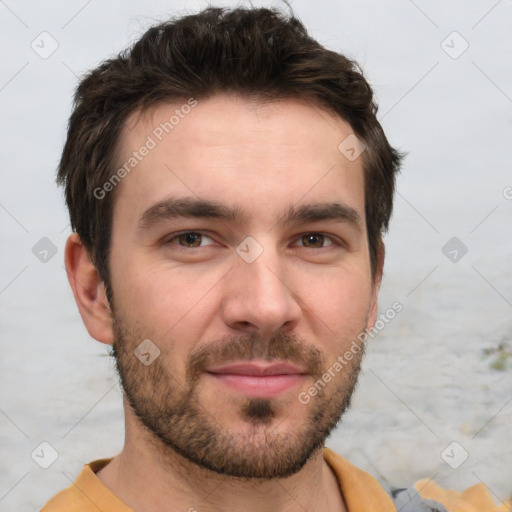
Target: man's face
pixel 249 299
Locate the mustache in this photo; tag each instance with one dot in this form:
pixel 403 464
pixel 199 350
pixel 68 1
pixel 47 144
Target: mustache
pixel 279 347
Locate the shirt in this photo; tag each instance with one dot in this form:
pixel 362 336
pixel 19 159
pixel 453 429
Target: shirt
pixel 361 492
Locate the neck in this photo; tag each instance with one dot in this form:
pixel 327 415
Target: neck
pixel 151 478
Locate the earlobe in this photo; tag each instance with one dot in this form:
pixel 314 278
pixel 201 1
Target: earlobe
pixel 88 290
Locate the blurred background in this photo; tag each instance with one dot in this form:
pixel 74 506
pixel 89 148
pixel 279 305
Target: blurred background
pixel 435 395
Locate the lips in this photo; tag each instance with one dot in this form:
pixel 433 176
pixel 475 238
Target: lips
pixel 258 379
pixel 258 369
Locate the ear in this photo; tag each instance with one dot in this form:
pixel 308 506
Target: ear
pixel 89 291
pixel 376 281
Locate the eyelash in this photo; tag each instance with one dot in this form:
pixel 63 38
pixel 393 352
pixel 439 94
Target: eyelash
pixel 335 241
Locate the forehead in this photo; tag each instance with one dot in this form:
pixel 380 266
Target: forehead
pixel 238 152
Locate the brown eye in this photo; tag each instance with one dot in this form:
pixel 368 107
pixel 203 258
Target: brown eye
pixel 314 240
pixel 190 239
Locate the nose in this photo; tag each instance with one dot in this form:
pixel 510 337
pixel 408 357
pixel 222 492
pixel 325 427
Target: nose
pixel 260 297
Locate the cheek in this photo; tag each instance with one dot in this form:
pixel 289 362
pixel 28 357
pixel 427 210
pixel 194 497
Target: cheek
pixel 167 302
pixel 339 300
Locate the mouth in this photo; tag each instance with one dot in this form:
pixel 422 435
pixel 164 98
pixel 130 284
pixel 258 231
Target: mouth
pixel 258 379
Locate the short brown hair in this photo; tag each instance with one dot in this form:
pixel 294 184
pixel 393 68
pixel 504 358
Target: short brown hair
pixel 259 53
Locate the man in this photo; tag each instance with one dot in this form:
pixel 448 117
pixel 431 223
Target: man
pixel 229 184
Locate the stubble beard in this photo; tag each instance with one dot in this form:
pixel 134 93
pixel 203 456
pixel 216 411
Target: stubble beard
pixel 171 411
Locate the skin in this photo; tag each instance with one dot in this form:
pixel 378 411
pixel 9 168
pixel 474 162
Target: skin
pixel 263 158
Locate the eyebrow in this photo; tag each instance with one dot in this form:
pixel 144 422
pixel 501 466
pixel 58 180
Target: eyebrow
pixel 314 212
pixel 173 208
